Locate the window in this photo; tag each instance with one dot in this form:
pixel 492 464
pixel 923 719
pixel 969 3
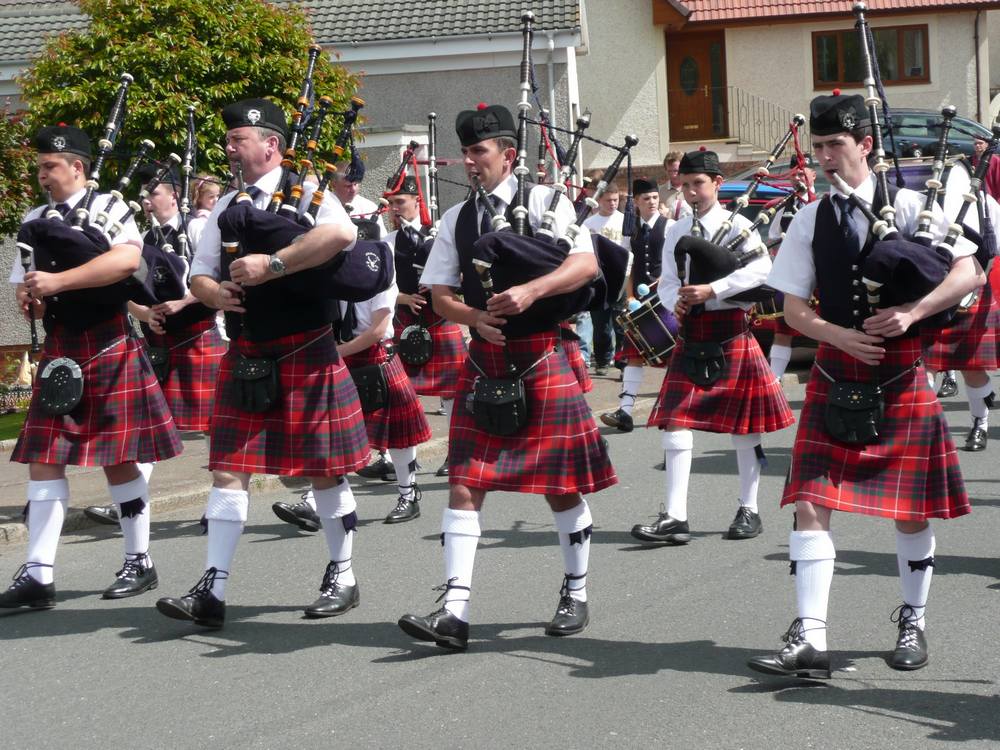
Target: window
pixel 901 52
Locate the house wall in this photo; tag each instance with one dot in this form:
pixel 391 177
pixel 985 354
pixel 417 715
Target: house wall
pixel 13 328
pixel 787 77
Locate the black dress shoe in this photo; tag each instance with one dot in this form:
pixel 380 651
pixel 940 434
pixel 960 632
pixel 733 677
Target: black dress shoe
pixel 911 643
pixel 298 514
pixel 335 598
pixel 407 507
pixel 976 440
pixel 25 591
pixel 442 469
pixel 665 529
pixel 441 627
pixel 106 514
pixel 571 615
pixel 797 659
pixel 601 370
pixel 381 468
pixel 133 579
pixel 620 420
pixel 949 387
pixel 662 466
pixel 198 605
pixel 746 525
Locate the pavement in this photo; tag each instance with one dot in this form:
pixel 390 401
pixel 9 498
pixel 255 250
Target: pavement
pixel 662 664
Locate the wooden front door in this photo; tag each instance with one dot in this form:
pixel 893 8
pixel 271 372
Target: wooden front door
pixel 696 86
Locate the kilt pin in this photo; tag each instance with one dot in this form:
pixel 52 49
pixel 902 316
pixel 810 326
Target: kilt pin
pixel 196 352
pixel 402 423
pixel 970 341
pixel 439 375
pixel 316 429
pixel 122 416
pixel 559 451
pixel 911 474
pixel 746 400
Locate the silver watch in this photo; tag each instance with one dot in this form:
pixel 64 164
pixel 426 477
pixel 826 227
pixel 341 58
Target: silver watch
pixel 277 266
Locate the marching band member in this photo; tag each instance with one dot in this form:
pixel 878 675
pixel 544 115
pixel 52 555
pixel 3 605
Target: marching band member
pixel 558 452
pixel 313 426
pixel 672 203
pixel 438 375
pixel 647 244
pixel 363 212
pixel 608 222
pixel 742 398
pixel 121 418
pixel 909 472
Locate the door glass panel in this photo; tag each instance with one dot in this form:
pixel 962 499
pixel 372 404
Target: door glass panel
pixel 689 75
pixel 718 90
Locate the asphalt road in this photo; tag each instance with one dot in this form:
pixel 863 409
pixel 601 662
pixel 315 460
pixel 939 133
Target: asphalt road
pixel 663 660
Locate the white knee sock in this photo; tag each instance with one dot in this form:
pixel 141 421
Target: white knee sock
pixel 678 447
pixel 781 355
pixel 749 467
pixel 915 556
pixel 460 533
pixel 447 404
pixel 309 498
pixel 631 382
pixel 337 508
pixel 226 511
pixel 575 526
pixel 930 379
pixel 132 499
pixel 977 404
pixel 404 460
pixel 47 503
pixel 814 554
pixel 145 469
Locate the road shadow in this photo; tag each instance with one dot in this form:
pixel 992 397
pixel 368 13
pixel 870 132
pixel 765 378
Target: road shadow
pixel 861 563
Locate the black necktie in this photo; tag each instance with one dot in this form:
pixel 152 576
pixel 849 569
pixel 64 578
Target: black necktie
pixel 848 228
pixel 413 236
pixel 486 224
pixel 254 192
pixel 62 208
pixel 644 234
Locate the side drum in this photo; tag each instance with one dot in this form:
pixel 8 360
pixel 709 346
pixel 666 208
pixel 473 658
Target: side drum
pixel 652 329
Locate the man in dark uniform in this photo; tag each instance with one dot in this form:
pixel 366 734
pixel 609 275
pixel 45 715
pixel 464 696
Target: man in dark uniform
pixel 558 452
pixel 122 417
pixel 294 437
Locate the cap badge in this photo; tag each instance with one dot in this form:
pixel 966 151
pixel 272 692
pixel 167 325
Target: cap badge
pixel 847 120
pixel 253 116
pixel 372 261
pixel 58 143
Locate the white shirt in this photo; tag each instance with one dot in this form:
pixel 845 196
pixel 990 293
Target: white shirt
pixel 363 311
pixel 751 275
pixel 129 236
pixel 608 226
pixel 362 208
pixel 206 261
pixel 794 270
pixel 442 265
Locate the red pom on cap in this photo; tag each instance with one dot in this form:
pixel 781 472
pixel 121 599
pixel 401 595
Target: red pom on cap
pixel 481 106
pixel 702 148
pixel 61 124
pixel 836 92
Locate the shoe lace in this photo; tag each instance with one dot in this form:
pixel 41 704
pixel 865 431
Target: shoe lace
pixel 22 576
pixel 906 617
pixel 403 501
pixel 444 588
pixel 744 514
pixel 134 565
pixel 567 604
pixel 796 632
pixel 203 588
pixel 332 574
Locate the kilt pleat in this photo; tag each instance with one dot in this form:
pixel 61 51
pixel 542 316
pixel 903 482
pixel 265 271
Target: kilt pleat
pixel 746 400
pixel 439 375
pixel 911 474
pixel 574 355
pixel 559 451
pixel 123 415
pixel 194 366
pixel 402 423
pixel 315 430
pixel 970 342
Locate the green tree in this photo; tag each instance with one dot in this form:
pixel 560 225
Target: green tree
pixel 208 53
pixel 16 178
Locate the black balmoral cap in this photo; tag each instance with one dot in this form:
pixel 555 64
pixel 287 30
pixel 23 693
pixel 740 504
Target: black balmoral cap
pixel 475 125
pixel 641 185
pixel 255 113
pixel 148 171
pixel 700 162
pixel 62 139
pixel 408 186
pixel 839 113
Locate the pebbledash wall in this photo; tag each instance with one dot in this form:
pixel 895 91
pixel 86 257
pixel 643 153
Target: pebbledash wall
pixel 13 328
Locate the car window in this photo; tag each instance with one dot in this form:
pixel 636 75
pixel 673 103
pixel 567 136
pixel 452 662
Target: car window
pixel 968 128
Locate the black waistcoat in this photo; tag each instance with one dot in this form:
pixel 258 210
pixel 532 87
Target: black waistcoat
pixel 843 298
pixel 407 254
pixel 466 234
pixel 193 313
pixel 647 257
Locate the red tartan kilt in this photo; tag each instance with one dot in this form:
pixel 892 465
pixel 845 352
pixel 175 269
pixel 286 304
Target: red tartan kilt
pixel 574 355
pixel 439 375
pixel 558 452
pixel 316 429
pixel 777 325
pixel 911 474
pixel 402 423
pixel 746 400
pixel 122 416
pixel 194 365
pixel 970 342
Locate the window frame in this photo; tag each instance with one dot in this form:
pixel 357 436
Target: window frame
pixel 819 85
